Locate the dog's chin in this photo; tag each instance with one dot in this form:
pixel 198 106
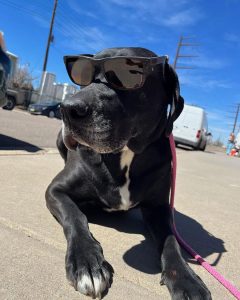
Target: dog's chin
pixel 70 142
pixel 96 144
pixel 106 149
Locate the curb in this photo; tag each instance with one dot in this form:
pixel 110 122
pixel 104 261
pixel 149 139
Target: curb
pixel 27 151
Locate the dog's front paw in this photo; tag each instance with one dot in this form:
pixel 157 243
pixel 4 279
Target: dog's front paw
pixel 87 270
pixel 184 284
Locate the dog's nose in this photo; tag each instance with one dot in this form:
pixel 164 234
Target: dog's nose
pixel 75 110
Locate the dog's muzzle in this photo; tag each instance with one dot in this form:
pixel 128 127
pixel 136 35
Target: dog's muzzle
pixel 83 124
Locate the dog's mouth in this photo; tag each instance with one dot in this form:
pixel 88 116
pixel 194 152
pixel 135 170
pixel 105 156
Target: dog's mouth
pixel 101 141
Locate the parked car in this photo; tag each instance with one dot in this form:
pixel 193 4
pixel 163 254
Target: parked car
pixel 47 108
pixel 191 128
pixel 15 96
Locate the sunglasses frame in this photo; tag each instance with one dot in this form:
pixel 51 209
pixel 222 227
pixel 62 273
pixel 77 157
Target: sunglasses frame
pixel 148 66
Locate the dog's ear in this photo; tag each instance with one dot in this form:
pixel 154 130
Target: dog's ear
pixel 175 101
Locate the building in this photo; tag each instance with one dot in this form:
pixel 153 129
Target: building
pixel 63 90
pixel 13 57
pixel 56 91
pixel 49 89
pixel 47 85
pixel 14 66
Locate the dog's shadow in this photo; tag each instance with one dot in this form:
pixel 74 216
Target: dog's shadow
pixel 143 256
pixel 11 143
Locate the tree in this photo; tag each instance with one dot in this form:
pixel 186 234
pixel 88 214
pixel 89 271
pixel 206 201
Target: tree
pixel 218 142
pixel 23 78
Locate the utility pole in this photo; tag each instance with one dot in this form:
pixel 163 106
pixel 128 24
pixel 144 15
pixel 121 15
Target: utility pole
pixel 181 44
pixel 50 38
pixel 236 118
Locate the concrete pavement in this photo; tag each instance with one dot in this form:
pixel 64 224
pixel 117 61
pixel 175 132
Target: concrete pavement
pixel 32 244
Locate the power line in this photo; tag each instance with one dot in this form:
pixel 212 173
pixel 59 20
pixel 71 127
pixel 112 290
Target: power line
pixel 66 25
pixel 22 9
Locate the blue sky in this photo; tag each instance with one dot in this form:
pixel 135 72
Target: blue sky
pixel 90 26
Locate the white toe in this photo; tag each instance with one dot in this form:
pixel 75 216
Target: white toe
pixel 95 288
pixel 85 285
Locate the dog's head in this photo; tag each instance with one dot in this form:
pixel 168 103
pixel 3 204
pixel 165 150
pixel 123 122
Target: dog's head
pixel 106 118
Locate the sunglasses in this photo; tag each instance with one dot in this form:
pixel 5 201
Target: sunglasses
pixel 121 72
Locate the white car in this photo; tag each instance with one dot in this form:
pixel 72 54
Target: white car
pixel 191 128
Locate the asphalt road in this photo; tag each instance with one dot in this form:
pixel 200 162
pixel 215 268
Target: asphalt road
pixel 21 130
pixel 32 245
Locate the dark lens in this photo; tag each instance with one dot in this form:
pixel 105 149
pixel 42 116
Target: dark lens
pixel 80 71
pixel 124 73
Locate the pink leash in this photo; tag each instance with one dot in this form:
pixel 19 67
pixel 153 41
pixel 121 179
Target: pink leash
pixel 232 289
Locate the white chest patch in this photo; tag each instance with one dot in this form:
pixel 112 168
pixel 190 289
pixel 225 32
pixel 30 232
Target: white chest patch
pixel 125 161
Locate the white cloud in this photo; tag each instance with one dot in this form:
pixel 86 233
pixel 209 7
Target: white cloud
pixel 203 82
pixel 74 5
pixel 183 18
pixel 82 38
pixel 220 130
pixel 41 21
pixel 209 63
pixel 169 13
pixel 145 5
pixel 232 37
pixel 124 20
pixel 201 59
pixel 217 115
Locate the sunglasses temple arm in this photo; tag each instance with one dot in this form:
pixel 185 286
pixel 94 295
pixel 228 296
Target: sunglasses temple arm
pixel 164 59
pixel 160 60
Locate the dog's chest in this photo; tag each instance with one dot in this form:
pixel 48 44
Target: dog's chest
pixel 125 163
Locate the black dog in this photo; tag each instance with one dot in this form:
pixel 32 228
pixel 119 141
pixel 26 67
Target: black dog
pixel 117 156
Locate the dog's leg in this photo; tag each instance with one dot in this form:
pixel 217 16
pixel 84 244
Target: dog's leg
pixel 180 279
pixel 86 268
